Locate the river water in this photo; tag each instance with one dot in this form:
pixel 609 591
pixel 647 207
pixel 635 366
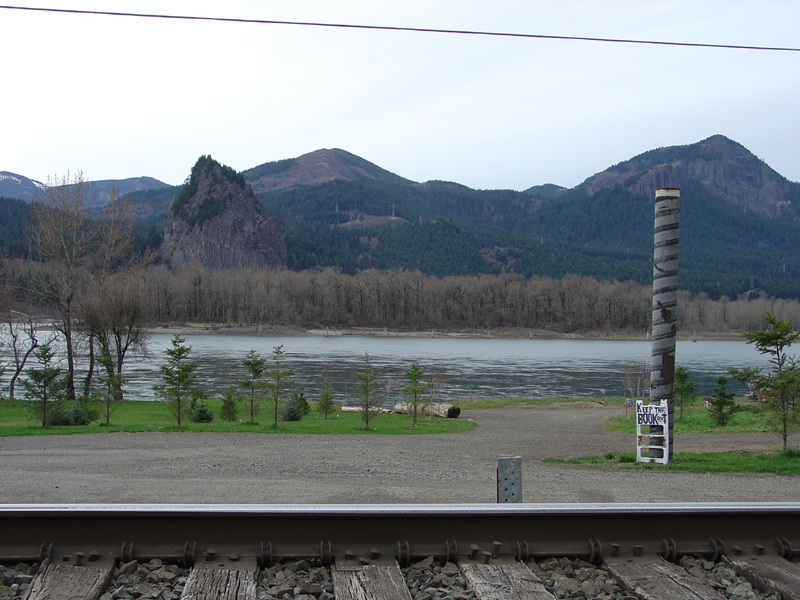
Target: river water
pixel 464 367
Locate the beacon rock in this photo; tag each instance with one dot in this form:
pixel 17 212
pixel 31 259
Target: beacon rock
pixel 218 222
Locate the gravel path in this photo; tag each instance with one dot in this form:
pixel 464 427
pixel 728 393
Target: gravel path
pixel 278 468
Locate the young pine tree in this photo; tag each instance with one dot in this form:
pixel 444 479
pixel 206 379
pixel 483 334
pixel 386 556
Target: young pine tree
pixel 278 383
pixel 255 365
pixel 723 406
pixel 43 384
pixel 778 390
pixel 685 388
pixel 178 375
pixel 326 403
pixel 367 391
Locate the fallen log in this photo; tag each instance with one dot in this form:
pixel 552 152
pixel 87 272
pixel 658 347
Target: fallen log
pixel 436 409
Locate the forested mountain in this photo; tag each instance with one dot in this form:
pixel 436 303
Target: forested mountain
pixel 740 220
pixel 739 224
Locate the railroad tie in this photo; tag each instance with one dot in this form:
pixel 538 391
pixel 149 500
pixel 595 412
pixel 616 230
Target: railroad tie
pixel 220 584
pixel 370 582
pixel 660 579
pixel 505 581
pixel 68 582
pixel 770 574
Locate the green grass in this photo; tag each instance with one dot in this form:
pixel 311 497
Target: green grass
pixel 134 417
pixel 749 419
pixel 778 462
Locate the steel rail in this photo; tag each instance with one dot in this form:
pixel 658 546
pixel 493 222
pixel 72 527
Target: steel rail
pixel 189 533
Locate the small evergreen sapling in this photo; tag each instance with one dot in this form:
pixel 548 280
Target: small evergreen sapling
pixel 43 384
pixel 722 402
pixel 777 391
pixel 685 388
pixel 278 383
pixel 326 403
pixel 229 411
pixel 178 375
pixel 255 365
pixel 367 391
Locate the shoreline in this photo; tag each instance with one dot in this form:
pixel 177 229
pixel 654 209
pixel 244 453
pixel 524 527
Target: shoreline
pixel 503 333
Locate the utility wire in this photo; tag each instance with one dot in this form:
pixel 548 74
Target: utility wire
pixel 409 29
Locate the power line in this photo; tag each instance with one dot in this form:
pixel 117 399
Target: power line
pixel 405 29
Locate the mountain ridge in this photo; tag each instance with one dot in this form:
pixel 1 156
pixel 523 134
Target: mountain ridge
pixel 739 220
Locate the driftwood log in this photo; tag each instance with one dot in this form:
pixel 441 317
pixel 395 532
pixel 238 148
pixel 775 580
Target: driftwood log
pixel 436 409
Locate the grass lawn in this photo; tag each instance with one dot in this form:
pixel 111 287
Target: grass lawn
pixel 776 462
pixel 749 419
pixel 155 416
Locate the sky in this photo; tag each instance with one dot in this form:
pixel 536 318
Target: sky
pixel 118 97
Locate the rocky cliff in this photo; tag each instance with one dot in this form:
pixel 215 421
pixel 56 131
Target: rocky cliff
pixel 723 167
pixel 217 221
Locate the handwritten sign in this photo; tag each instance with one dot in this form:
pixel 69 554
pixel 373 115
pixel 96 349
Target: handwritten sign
pixel 650 414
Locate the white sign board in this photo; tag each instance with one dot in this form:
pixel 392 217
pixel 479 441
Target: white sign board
pixel 652 415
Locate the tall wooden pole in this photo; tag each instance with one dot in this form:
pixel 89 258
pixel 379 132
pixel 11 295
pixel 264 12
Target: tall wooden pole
pixel 665 300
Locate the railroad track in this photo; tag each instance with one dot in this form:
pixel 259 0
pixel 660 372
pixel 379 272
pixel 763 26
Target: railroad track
pixel 371 552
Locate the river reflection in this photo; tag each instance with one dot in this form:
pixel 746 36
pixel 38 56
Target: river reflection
pixel 466 367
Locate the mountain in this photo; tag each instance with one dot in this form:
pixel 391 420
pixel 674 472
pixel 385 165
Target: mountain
pixel 18 186
pixel 123 187
pixel 316 167
pixel 217 221
pixel 723 168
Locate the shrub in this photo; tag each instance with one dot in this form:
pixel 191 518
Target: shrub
pixel 299 399
pixel 78 416
pixel 58 416
pixel 291 411
pixel 201 413
pixel 90 409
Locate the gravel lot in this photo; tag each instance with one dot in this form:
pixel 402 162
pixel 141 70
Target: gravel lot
pixel 277 468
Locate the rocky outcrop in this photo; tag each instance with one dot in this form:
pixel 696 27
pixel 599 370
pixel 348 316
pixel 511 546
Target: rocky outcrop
pixel 217 221
pixel 723 167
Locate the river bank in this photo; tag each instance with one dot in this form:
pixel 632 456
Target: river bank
pixel 502 333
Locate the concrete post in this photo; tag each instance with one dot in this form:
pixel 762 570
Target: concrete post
pixel 665 300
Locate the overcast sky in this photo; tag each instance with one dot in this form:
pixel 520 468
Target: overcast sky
pixel 120 97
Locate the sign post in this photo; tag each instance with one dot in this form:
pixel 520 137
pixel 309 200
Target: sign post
pixel 648 417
